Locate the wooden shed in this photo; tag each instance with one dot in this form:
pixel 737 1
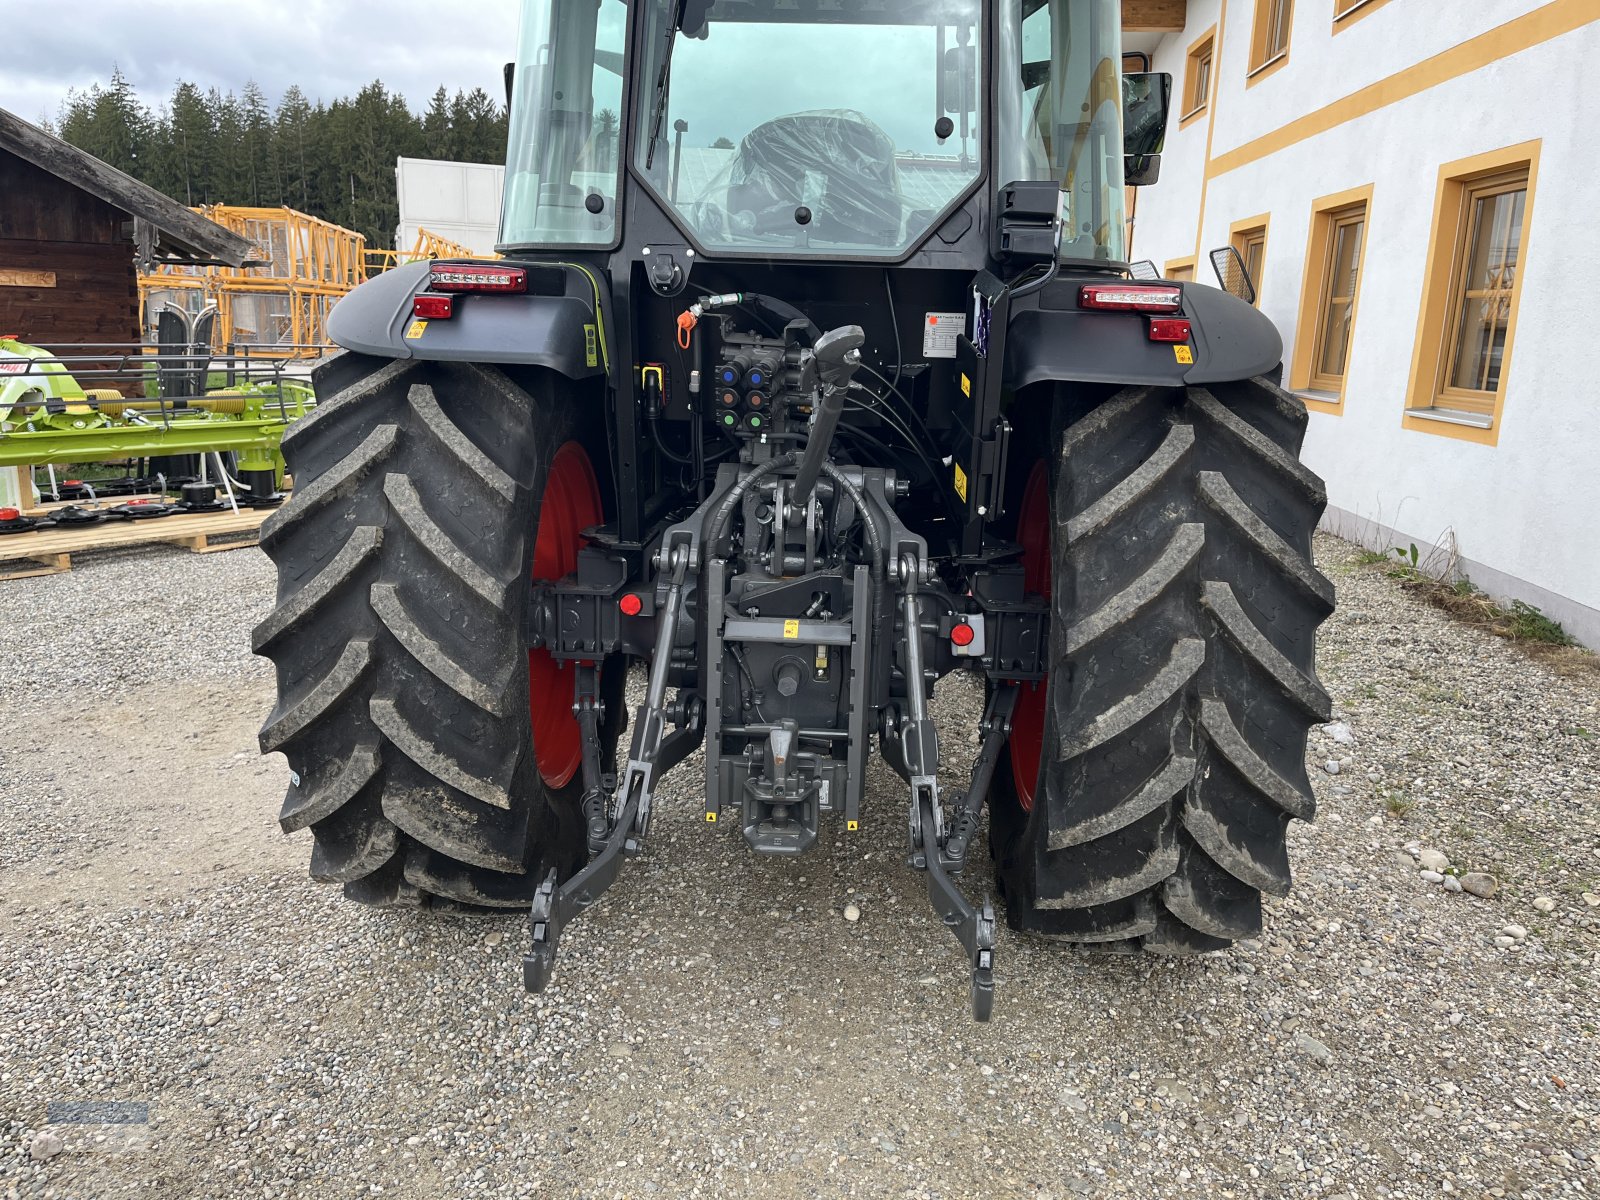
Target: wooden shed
pixel 73 234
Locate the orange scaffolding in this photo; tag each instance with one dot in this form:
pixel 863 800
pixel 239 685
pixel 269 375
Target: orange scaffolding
pixel 279 307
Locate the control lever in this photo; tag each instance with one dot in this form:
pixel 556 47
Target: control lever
pixel 836 356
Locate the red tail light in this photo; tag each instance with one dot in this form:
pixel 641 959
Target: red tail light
pixel 433 307
pixel 1170 329
pixel 477 277
pixel 1131 297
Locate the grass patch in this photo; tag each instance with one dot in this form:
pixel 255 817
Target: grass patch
pixel 1438 580
pixel 1396 805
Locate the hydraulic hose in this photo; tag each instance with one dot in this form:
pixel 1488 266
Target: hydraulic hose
pixel 723 513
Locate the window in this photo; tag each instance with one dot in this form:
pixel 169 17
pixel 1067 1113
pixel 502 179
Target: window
pixel 1335 255
pixel 1178 270
pixel 1197 78
pixel 1249 238
pixel 1469 305
pixel 1341 276
pixel 1347 12
pixel 1483 288
pixel 1269 42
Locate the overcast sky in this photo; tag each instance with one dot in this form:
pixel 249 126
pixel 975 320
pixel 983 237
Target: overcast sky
pixel 329 48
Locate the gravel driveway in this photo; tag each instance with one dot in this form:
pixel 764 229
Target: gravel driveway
pixel 716 1027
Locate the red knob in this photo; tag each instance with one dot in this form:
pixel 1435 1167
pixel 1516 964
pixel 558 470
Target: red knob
pixel 963 634
pixel 630 604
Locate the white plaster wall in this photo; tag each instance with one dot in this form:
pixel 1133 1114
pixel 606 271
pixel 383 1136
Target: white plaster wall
pixel 1526 508
pixel 1164 219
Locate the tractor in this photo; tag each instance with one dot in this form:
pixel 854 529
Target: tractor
pixel 802 385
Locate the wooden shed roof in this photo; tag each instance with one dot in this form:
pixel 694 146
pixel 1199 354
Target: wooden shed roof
pixel 173 233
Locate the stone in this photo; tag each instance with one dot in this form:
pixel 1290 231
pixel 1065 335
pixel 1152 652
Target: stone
pixel 1516 932
pixel 1340 732
pixel 1452 884
pixel 1480 883
pixel 1591 899
pixel 494 939
pixel 1305 1044
pixel 1544 904
pixel 852 913
pixel 45 1146
pixel 1430 859
pixel 1504 942
pixel 620 1050
pixel 212 1018
pixel 1431 877
pixel 1333 767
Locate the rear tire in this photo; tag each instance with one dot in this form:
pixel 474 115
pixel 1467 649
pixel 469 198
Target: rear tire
pixel 403 562
pixel 1169 739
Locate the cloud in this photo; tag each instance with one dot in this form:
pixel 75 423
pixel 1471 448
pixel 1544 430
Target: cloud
pixel 330 49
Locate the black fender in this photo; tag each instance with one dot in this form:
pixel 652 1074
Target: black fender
pixel 1052 339
pixel 558 323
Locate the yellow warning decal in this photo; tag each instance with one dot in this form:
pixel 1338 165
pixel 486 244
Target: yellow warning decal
pixel 852 826
pixel 961 483
pixel 791 630
pixel 1183 355
pixel 711 818
pixel 416 330
pixel 966 385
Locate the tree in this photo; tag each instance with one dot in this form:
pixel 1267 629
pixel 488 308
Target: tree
pixel 605 139
pixel 722 143
pixel 290 132
pixel 437 134
pixel 260 159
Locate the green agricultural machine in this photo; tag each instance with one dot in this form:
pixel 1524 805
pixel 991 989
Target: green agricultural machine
pixel 814 371
pixel 192 421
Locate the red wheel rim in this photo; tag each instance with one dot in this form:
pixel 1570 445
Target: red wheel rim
pixel 1027 721
pixel 571 504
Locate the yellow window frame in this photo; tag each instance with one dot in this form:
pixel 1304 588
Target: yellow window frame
pixel 1430 406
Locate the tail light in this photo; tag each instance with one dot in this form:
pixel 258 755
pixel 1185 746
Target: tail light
pixel 433 307
pixel 477 277
pixel 1131 297
pixel 1170 329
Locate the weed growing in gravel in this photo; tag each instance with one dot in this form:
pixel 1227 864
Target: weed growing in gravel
pixel 1528 624
pixel 1437 578
pixel 1397 805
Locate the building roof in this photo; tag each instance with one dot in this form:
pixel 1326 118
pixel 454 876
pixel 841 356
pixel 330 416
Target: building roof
pixel 166 230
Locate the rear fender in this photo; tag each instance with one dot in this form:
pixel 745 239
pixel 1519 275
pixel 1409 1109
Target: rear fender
pixel 558 323
pixel 1054 340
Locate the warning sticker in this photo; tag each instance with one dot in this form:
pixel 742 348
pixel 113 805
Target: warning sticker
pixel 939 333
pixel 791 629
pixel 416 330
pixel 961 482
pixel 1183 354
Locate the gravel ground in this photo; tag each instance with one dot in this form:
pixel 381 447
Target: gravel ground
pixel 717 1028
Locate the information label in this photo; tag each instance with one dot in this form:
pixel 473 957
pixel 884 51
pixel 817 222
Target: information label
pixel 939 333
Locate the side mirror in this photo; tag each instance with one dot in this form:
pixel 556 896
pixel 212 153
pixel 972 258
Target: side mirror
pixel 1233 275
pixel 1141 170
pixel 959 80
pixel 511 78
pixel 1146 100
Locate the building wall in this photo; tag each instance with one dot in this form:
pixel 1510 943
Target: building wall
pixel 51 229
pixel 1385 102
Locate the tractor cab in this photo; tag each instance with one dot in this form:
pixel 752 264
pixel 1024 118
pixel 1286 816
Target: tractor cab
pixel 847 129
